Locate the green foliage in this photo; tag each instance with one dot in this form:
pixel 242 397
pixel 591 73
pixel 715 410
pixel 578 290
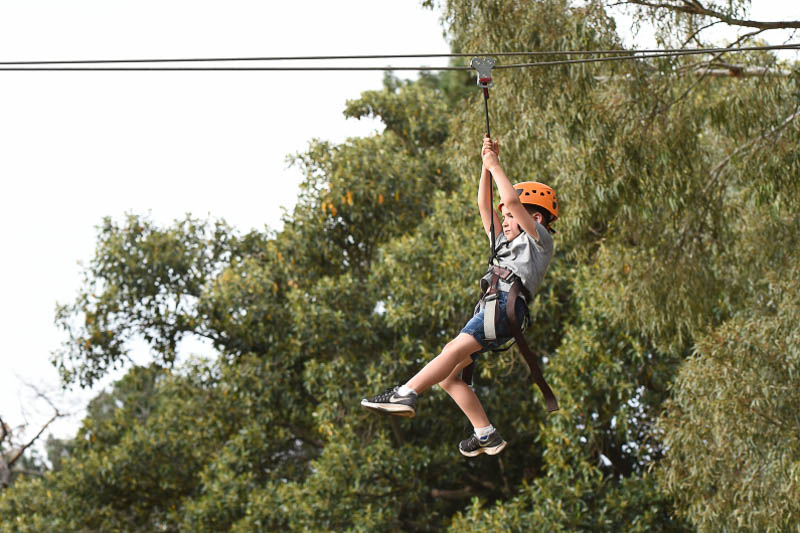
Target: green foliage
pixel 666 324
pixel 142 281
pixel 731 426
pixel 58 450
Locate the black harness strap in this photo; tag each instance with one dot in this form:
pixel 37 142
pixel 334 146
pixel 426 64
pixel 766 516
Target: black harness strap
pixel 536 372
pixel 466 373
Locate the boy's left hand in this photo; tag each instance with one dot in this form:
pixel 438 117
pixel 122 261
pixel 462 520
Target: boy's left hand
pixel 490 152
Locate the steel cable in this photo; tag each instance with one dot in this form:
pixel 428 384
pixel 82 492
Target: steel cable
pixel 629 55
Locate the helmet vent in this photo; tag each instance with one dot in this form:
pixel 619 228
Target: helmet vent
pixel 533 193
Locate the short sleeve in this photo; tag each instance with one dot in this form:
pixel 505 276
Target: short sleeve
pixel 545 242
pixel 499 239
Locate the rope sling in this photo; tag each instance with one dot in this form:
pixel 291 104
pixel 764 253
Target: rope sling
pixel 489 289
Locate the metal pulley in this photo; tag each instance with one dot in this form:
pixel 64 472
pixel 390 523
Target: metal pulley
pixel 484 67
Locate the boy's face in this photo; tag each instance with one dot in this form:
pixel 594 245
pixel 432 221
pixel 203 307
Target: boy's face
pixel 510 226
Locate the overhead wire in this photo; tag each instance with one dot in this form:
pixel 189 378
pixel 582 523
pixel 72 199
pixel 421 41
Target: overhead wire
pixel 77 65
pixel 680 51
pixel 676 53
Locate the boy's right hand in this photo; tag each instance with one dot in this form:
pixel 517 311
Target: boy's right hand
pixel 490 152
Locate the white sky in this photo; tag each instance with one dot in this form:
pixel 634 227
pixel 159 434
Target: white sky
pixel 75 147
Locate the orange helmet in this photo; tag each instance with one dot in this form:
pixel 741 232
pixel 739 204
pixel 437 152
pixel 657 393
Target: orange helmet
pixel 535 193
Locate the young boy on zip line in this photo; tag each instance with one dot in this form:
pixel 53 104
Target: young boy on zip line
pixel 520 258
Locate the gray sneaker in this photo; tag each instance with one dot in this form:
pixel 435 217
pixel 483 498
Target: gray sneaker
pixel 390 402
pixel 492 445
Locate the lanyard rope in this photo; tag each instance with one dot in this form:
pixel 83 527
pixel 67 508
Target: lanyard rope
pixel 484 67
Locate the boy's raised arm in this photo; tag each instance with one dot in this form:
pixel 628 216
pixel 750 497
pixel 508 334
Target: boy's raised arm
pixel 508 196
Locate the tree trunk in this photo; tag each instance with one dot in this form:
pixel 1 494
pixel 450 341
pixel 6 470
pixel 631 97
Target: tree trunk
pixel 5 474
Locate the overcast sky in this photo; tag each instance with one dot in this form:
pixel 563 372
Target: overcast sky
pixel 75 147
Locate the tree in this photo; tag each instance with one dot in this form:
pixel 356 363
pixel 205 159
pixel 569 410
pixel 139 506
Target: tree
pixel 17 457
pixel 731 423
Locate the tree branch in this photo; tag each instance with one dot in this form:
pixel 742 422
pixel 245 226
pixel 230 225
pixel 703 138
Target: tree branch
pixel 716 172
pixel 714 70
pixel 740 71
pixel 398 433
pixel 483 482
pixel 28 472
pixel 4 429
pixel 24 447
pixel 14 454
pixel 703 75
pixel 695 33
pixel 695 8
pixel 456 494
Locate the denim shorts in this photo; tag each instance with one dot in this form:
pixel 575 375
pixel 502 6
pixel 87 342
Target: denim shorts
pixel 503 330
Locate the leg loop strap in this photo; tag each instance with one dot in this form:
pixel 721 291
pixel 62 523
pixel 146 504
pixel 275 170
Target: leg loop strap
pixel 536 372
pixel 490 317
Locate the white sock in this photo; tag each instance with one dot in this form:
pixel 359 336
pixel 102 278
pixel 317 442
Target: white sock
pixel 405 390
pixel 483 433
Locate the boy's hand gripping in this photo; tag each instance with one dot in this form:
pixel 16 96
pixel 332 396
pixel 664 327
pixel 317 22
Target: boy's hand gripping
pixel 490 153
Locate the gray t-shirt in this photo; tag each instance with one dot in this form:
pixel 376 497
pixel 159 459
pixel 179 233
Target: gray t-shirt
pixel 525 257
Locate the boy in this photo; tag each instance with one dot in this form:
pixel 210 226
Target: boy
pixel 525 248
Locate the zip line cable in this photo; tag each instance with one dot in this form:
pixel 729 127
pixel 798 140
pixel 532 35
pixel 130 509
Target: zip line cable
pixel 631 54
pixel 407 56
pixel 644 56
pixel 220 69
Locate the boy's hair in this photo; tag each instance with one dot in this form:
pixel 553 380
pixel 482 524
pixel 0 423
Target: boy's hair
pixel 546 216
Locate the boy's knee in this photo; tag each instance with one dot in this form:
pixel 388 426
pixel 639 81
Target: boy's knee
pixel 449 383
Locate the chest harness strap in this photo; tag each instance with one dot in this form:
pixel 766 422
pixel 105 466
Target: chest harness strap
pixel 491 319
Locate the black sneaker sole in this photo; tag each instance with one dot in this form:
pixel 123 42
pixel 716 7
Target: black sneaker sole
pixel 488 450
pixel 396 409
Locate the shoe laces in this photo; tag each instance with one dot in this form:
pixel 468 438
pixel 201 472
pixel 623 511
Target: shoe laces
pixel 388 393
pixel 473 437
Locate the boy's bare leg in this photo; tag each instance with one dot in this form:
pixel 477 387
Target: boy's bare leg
pixel 444 369
pixel 465 397
pixel 454 353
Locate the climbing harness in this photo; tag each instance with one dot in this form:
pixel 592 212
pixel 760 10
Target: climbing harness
pixel 502 278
